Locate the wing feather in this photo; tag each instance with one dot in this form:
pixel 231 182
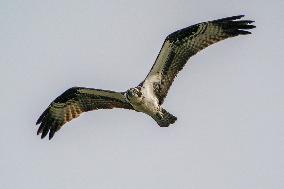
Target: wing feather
pixel 179 46
pixel 74 102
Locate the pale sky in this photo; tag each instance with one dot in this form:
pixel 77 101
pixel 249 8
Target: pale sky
pixel 229 99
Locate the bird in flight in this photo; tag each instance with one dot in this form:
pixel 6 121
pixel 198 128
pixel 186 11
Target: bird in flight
pixel 150 94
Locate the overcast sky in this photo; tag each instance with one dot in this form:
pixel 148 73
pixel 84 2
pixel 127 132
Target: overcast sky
pixel 229 99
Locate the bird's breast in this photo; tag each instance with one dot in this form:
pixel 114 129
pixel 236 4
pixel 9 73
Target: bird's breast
pixel 146 104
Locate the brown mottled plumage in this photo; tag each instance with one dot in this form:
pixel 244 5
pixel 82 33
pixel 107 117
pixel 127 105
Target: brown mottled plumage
pixel 179 46
pixel 149 95
pixel 75 101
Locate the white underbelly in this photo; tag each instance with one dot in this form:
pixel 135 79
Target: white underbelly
pixel 149 103
pixel 148 106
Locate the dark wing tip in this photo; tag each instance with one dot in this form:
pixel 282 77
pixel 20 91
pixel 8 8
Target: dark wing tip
pixel 233 26
pixel 42 116
pixel 48 126
pixel 51 133
pixel 43 121
pixel 52 124
pixel 45 131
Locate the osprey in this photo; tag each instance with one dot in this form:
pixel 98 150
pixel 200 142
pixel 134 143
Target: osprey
pixel 149 95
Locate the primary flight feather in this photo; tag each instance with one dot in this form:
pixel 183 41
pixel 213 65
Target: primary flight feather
pixel 149 95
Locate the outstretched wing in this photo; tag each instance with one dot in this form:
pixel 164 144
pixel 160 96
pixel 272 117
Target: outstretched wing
pixel 75 101
pixel 179 46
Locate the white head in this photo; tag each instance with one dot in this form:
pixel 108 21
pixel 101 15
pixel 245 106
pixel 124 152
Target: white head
pixel 133 95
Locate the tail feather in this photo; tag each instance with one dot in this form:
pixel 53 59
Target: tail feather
pixel 165 119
